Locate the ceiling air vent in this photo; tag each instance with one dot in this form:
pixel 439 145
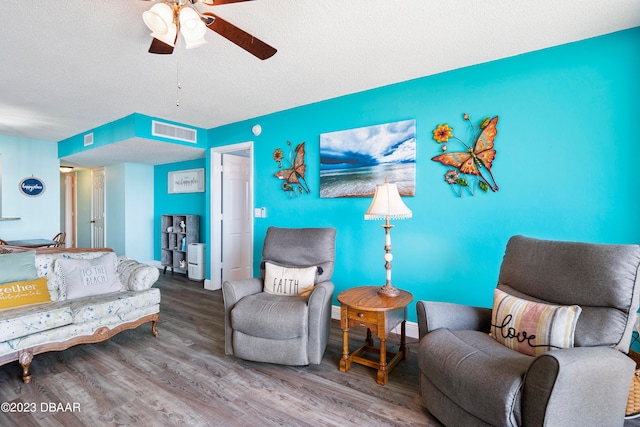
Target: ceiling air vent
pixel 88 139
pixel 178 133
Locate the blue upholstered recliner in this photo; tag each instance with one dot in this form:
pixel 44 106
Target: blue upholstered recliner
pixel 468 378
pixel 287 330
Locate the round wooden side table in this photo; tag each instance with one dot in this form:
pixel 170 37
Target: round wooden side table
pixel 363 306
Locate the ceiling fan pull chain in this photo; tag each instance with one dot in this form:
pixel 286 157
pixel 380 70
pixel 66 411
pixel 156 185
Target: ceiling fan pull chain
pixel 179 84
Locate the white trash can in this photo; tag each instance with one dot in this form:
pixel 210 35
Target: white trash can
pixel 195 259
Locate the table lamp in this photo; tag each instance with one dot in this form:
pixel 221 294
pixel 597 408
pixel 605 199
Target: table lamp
pixel 386 205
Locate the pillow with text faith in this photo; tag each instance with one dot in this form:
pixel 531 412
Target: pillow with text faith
pixel 281 280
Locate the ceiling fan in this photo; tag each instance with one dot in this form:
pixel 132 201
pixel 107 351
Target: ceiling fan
pixel 168 18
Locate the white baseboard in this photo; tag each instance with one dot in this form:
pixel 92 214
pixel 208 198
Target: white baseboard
pixel 209 285
pixel 411 328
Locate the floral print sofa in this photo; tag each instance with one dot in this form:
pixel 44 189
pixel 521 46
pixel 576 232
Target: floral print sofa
pixel 61 323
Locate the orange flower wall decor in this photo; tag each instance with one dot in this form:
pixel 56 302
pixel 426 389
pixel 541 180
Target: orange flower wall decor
pixel 471 167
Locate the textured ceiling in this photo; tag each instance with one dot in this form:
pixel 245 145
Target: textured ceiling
pixel 135 150
pixel 70 66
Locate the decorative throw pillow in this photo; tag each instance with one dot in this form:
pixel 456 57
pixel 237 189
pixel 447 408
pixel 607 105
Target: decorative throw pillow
pixel 18 266
pixel 17 294
pixel 531 327
pixel 281 280
pixel 83 255
pixel 86 277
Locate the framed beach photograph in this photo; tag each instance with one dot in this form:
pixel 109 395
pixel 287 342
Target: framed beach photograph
pixel 353 161
pixel 186 181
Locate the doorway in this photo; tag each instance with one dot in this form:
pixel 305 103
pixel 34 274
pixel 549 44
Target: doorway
pixel 231 239
pixel 70 206
pixel 97 208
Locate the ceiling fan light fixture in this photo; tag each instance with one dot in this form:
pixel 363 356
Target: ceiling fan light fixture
pixel 192 28
pixel 191 44
pixel 169 37
pixel 168 16
pixel 158 18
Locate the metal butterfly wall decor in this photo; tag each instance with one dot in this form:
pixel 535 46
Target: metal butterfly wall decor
pixel 472 167
pixel 292 177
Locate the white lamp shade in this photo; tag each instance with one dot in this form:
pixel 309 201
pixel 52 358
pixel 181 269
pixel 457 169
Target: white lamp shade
pixel 192 28
pixel 158 18
pixel 387 203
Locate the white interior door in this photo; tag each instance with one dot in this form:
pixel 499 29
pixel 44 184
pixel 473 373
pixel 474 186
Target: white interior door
pixel 231 227
pixel 236 218
pixel 97 209
pixel 70 210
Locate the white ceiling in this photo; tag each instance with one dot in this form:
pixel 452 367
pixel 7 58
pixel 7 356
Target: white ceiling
pixel 70 66
pixel 137 150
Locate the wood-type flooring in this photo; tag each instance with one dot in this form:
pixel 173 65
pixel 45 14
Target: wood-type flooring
pixel 183 378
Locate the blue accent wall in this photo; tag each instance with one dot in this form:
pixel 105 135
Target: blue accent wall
pixel 131 126
pixel 566 143
pixel 182 203
pixel 106 134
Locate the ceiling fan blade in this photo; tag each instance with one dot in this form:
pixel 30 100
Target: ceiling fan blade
pixel 160 48
pixel 240 37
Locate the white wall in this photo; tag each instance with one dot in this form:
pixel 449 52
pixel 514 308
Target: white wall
pixel 40 216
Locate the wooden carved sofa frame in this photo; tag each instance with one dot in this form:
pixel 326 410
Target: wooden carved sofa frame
pixel 25 356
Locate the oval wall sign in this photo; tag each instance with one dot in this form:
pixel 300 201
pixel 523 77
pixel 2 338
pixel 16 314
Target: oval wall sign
pixel 32 186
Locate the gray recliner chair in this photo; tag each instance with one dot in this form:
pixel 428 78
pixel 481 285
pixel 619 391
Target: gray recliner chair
pixel 467 378
pixel 287 330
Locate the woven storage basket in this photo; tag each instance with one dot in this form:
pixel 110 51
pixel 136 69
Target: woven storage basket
pixel 633 402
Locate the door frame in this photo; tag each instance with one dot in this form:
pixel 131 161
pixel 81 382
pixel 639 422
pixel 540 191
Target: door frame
pixel 102 171
pixel 215 179
pixel 70 209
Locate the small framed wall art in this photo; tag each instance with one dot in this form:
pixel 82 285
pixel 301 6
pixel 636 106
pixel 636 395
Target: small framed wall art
pixel 186 181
